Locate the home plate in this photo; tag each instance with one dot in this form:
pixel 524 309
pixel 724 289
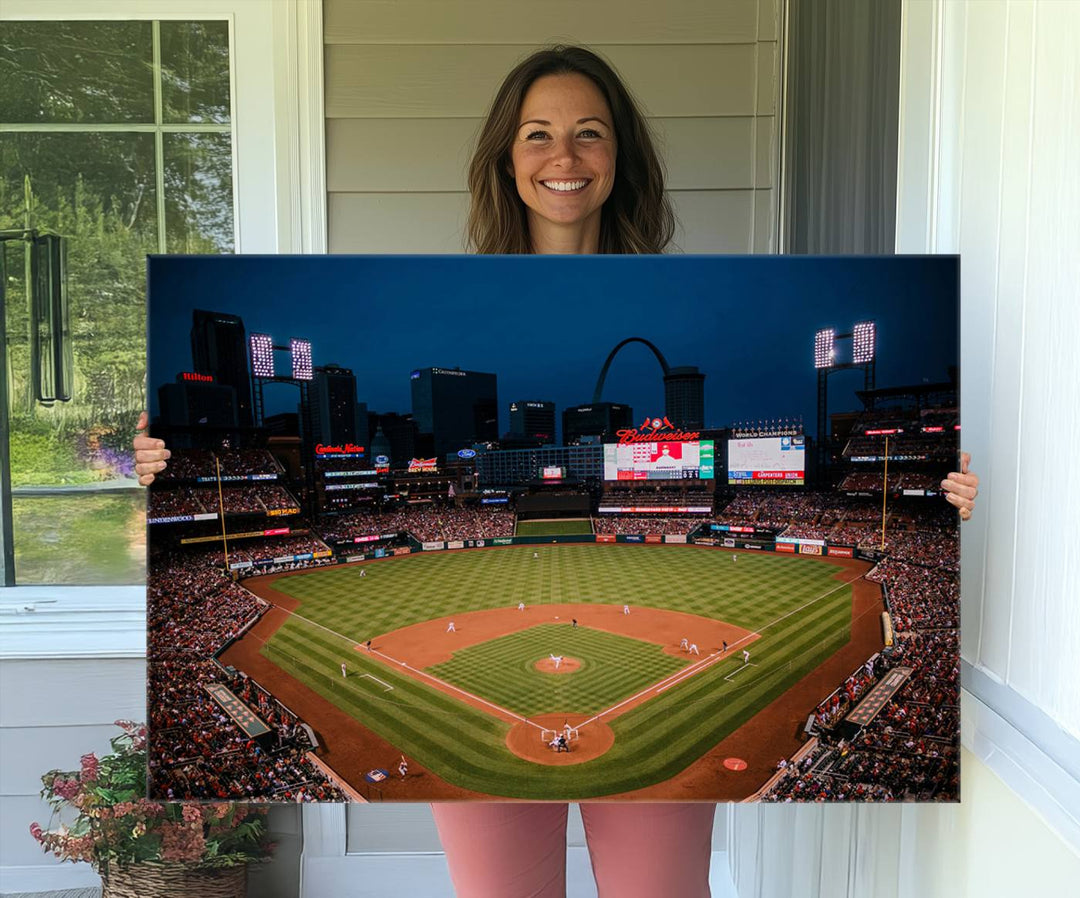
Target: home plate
pixel 735 763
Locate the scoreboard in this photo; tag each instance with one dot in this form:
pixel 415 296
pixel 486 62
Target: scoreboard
pixel 778 461
pixel 659 460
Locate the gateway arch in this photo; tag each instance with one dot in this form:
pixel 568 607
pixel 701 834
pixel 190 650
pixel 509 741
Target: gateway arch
pixel 684 387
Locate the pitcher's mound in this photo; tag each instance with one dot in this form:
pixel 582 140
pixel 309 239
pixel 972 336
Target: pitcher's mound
pixel 567 665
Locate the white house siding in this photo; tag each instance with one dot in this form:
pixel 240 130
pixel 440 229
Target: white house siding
pixel 408 83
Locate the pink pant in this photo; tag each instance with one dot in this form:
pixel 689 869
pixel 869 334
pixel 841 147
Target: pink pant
pixel 519 850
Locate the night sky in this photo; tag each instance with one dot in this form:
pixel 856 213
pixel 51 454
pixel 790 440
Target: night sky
pixel 545 324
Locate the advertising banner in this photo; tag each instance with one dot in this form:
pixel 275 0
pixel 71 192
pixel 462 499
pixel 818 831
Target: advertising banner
pixel 841 551
pixel 785 547
pixel 677 538
pixel 433 546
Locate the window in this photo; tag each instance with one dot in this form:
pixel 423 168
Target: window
pixel 118 136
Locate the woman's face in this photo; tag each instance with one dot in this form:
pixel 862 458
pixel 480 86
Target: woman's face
pixel 563 155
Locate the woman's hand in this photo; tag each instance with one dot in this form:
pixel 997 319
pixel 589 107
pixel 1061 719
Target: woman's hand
pixel 961 487
pixel 150 454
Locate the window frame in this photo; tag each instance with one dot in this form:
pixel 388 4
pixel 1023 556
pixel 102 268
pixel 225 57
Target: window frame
pixel 1005 729
pixel 276 92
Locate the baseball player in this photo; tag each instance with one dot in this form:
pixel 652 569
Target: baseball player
pixel 521 606
pixel 745 656
pixel 625 609
pixel 567 729
pixel 363 572
pixel 403 767
pixel 367 645
pixel 684 645
pixel 734 558
pixel 694 649
pixel 344 672
pixel 573 622
pixel 723 651
pixel 450 628
pixel 536 554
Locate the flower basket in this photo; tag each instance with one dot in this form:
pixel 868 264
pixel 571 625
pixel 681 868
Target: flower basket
pixel 173 881
pixel 144 848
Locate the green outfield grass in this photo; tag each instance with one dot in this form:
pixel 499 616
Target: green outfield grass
pixel 802 612
pixel 503 670
pixel 553 528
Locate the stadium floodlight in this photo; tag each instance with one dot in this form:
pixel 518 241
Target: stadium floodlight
pixel 262 355
pixel 301 359
pixel 823 348
pixel 863 339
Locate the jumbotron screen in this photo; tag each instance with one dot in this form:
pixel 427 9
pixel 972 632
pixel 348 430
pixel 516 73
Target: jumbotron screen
pixel 661 460
pixel 767 460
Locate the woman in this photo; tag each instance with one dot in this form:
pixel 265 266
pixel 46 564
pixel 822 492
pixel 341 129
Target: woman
pixel 565 164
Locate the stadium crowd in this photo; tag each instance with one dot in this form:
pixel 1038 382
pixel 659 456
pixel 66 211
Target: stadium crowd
pixel 427 523
pixel 196 751
pixel 666 525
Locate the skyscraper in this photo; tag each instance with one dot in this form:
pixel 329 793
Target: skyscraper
pixel 336 416
pixel 594 420
pixel 684 397
pixel 219 348
pixel 457 408
pixel 531 418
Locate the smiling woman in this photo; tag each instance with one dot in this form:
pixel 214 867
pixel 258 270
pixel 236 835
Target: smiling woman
pixel 565 164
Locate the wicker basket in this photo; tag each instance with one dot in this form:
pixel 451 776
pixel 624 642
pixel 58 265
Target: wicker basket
pixel 174 881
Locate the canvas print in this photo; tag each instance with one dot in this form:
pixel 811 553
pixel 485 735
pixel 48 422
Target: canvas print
pixel 636 528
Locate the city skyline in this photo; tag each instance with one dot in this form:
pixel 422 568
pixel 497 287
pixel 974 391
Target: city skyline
pixel 544 326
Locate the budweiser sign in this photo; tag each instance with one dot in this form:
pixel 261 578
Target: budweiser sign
pixel 653 429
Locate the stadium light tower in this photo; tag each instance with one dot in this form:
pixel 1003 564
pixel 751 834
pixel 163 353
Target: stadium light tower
pixel 301 375
pixel 824 351
pixel 863 338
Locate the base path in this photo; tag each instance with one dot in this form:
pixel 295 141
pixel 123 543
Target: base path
pixel 427 643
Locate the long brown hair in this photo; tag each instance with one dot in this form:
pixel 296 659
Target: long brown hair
pixel 637 216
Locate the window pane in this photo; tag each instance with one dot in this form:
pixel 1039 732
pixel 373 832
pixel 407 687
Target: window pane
pixel 81 540
pixel 198 193
pixel 98 191
pixel 76 72
pixel 195 72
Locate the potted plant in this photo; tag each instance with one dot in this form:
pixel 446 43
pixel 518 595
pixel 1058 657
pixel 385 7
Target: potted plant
pixel 142 847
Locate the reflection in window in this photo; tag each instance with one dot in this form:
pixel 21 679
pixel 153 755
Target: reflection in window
pixel 117 136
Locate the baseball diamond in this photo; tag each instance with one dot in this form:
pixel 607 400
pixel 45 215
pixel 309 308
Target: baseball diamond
pixel 652 721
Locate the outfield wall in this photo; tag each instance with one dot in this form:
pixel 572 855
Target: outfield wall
pixel 789 546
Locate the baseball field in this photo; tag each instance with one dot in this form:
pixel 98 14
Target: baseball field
pixel 475 706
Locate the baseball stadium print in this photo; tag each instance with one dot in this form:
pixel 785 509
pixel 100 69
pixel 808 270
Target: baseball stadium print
pixel 554 528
